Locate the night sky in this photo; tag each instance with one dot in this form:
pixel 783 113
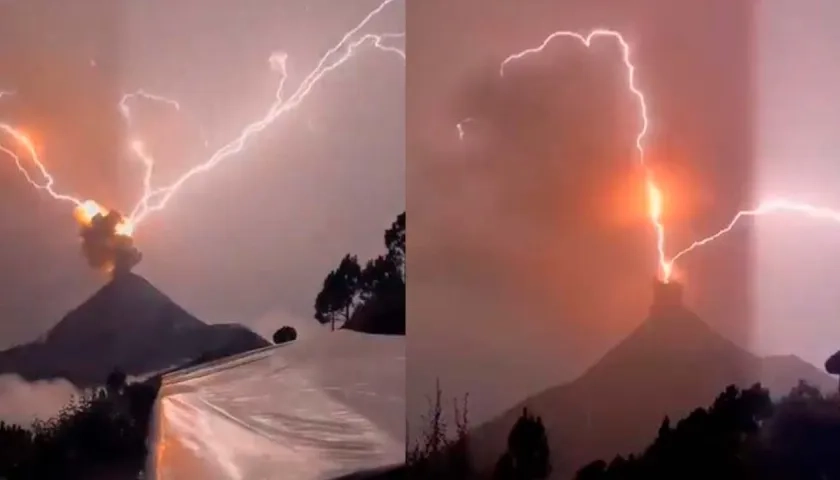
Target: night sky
pixel 249 242
pixel 530 250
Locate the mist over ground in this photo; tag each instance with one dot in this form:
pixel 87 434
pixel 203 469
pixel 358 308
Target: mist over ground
pixel 22 402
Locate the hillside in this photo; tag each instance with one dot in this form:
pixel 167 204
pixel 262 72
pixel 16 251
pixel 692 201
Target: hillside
pixel 672 363
pixel 127 324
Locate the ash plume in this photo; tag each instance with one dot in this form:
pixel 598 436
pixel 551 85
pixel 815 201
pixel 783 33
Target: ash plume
pixel 104 248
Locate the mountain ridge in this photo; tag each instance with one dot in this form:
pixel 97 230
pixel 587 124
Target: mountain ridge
pixel 127 324
pixel 670 364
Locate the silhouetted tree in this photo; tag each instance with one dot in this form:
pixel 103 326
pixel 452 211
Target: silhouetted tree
pixel 16 450
pixel 336 299
pixel 369 299
pixel 115 382
pixel 284 334
pixel 527 456
pixel 721 441
pixel 802 439
pixel 383 287
pixel 395 243
pixel 434 438
pixel 437 454
pixel 381 277
pixel 382 294
pixel 460 464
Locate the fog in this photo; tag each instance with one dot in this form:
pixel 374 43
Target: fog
pixel 22 402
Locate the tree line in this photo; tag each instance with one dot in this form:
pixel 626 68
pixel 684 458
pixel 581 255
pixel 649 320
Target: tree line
pixel 743 434
pixel 369 298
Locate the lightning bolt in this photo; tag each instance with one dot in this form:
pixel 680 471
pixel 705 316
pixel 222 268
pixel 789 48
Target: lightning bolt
pixel 386 48
pixel 460 126
pixel 654 194
pixel 149 165
pixel 655 198
pixel 138 147
pixel 48 181
pixel 345 49
pixel 764 208
pixel 125 110
pixel 155 199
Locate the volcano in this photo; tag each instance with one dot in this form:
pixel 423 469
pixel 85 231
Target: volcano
pixel 670 365
pixel 129 325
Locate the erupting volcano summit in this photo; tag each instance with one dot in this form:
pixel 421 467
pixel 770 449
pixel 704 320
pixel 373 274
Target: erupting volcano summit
pixel 107 240
pixel 667 298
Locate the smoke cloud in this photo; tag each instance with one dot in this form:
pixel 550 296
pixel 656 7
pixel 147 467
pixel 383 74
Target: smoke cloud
pixel 104 248
pixel 23 402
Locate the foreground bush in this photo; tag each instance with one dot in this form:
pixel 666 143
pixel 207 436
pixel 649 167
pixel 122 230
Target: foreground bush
pixel 103 433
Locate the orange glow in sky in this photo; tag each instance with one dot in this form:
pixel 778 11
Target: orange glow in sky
pixel 87 210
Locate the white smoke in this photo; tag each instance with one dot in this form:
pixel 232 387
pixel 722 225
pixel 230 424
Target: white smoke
pixel 22 402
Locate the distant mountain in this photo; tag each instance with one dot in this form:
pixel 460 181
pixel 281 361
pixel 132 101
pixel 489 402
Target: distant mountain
pixel 670 365
pixel 127 324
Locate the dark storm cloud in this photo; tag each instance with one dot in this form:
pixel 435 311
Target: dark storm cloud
pixel 104 248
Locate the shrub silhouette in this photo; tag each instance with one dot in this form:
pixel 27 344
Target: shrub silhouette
pixel 284 334
pixel 115 382
pixel 100 432
pixel 527 456
pixel 436 454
